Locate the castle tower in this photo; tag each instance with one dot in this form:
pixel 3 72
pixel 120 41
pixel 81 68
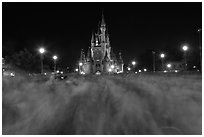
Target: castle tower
pixel 103 29
pixel 120 63
pixel 88 58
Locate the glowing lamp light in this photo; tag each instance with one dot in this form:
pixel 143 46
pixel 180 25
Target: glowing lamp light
pixel 162 55
pixel 54 57
pixel 194 66
pixel 80 64
pixel 185 48
pixel 112 66
pixel 12 74
pixel 145 70
pixel 176 71
pixel 41 50
pixel 165 71
pixel 168 65
pixel 133 63
pixel 109 70
pixel 129 68
pixel 61 72
pixel 140 71
pixel 57 71
pixel 76 69
pixel 83 73
pixel 136 72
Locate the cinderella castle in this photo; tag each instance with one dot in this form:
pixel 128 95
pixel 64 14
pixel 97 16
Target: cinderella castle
pixel 100 57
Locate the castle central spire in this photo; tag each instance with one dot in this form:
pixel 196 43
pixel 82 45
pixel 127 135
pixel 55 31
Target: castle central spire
pixel 103 24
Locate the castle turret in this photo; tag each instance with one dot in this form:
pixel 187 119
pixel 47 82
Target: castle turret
pixel 103 24
pixel 107 40
pixel 88 58
pixel 82 57
pixel 120 58
pixel 97 40
pixel 120 63
pixel 92 40
pixel 103 29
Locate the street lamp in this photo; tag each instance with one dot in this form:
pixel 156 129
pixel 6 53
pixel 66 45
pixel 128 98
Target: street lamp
pixel 42 51
pixel 133 63
pixel 153 53
pixel 200 46
pixel 128 68
pixel 54 58
pixel 168 66
pixel 80 64
pixel 185 49
pixel 162 55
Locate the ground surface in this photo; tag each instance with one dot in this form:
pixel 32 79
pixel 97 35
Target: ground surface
pixel 128 104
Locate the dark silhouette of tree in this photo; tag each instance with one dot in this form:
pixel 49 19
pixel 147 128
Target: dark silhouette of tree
pixel 25 60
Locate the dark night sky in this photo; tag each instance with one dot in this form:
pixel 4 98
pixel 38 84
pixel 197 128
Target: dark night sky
pixel 134 28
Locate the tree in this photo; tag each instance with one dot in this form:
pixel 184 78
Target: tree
pixel 25 61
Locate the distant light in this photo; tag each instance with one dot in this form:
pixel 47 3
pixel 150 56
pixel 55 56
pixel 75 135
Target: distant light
pixel 162 55
pixel 76 69
pixel 82 73
pixel 198 70
pixel 145 70
pixel 80 64
pixel 62 77
pixel 98 73
pixel 165 71
pixel 41 50
pixel 176 71
pixel 54 57
pixel 109 70
pixel 57 71
pixel 194 66
pixel 199 30
pixel 168 65
pixel 45 73
pixel 129 68
pixel 140 71
pixel 12 74
pixel 185 48
pixel 112 66
pixel 136 72
pixel 61 72
pixel 133 63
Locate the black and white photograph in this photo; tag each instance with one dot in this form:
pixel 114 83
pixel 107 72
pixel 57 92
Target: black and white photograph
pixel 101 68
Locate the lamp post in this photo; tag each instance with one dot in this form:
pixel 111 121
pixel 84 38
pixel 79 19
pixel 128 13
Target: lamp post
pixel 185 48
pixel 162 55
pixel 54 58
pixel 133 63
pixel 42 51
pixel 169 66
pixel 153 53
pixel 200 46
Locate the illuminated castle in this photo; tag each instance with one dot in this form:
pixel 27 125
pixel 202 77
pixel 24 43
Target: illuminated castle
pixel 100 57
